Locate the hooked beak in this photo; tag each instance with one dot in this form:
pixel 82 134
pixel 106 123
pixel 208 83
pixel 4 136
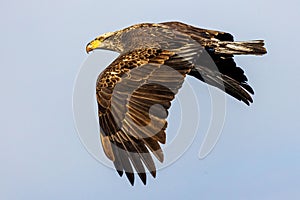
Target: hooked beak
pixel 92 45
pixel 88 48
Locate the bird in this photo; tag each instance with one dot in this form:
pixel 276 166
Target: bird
pixel 135 91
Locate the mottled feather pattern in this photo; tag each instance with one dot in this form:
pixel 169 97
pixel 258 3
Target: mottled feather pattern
pixel 129 118
pixel 135 91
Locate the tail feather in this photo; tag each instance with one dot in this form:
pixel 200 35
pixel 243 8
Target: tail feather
pixel 255 47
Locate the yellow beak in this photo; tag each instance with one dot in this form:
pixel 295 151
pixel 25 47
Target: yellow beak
pixel 92 45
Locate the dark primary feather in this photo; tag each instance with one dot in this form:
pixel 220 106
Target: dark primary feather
pixel 132 125
pixel 154 60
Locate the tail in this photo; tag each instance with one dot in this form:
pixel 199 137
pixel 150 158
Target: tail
pixel 255 47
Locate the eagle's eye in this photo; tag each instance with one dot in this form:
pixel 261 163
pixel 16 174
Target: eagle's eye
pixel 100 39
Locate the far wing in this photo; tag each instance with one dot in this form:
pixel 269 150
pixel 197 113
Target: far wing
pixel 226 75
pixel 134 94
pixel 199 34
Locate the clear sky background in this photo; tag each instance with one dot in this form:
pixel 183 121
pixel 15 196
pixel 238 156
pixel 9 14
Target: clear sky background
pixel 42 47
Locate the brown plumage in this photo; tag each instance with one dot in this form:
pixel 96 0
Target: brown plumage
pixel 154 60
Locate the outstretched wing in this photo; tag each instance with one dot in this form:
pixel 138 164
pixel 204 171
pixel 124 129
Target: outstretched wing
pixel 134 94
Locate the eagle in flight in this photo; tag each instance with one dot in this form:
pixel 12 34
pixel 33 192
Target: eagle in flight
pixel 135 91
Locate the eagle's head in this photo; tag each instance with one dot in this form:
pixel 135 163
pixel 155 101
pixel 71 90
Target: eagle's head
pixel 107 41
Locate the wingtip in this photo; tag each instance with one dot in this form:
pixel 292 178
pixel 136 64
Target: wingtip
pixel 120 173
pixel 248 102
pixel 130 177
pixel 143 177
pixel 153 173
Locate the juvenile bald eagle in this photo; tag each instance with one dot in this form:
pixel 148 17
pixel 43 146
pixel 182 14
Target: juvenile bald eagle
pixel 154 60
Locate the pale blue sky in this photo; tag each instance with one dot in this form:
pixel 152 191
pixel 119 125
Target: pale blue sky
pixel 42 47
